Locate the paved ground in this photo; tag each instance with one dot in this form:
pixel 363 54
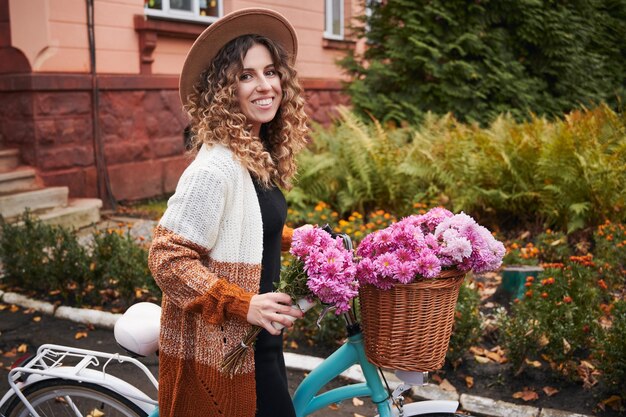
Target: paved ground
pixel 21 327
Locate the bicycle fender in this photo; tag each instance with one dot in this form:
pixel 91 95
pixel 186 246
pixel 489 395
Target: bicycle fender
pixel 111 382
pixel 426 407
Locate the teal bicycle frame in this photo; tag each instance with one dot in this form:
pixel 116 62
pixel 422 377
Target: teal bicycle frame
pixel 305 400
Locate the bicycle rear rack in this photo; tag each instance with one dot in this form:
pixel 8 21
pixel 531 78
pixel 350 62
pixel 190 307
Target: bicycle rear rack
pixel 56 361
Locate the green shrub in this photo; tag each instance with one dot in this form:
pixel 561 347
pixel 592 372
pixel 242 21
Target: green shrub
pixel 552 246
pixel 480 59
pixel 508 176
pixel 118 262
pixel 49 260
pixel 557 318
pixel 466 330
pixel 610 252
pixel 43 258
pixel 612 351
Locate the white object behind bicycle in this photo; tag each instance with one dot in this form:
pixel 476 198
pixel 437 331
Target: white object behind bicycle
pixel 138 329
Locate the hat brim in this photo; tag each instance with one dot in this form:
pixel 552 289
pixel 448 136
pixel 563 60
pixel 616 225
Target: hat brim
pixel 250 21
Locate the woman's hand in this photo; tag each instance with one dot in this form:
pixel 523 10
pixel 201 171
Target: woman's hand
pixel 272 307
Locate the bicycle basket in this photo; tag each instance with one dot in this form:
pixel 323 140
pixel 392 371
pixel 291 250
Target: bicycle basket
pixel 408 327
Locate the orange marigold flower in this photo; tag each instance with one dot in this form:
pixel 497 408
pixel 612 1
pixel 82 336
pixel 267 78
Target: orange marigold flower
pixel 567 299
pixel 530 278
pixel 528 284
pixel 544 295
pixel 529 294
pixel 602 284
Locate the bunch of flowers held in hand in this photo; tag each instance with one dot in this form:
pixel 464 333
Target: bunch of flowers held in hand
pixel 421 246
pixel 322 268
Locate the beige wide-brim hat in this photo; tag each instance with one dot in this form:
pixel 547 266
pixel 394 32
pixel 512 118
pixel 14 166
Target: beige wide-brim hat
pixel 251 21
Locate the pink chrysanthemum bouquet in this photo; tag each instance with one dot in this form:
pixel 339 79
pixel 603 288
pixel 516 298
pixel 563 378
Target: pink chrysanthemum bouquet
pixel 322 268
pixel 421 246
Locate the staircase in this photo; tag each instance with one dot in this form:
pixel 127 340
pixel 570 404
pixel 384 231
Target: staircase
pixel 20 189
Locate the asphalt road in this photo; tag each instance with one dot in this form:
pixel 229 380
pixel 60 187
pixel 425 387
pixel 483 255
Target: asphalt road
pixel 25 330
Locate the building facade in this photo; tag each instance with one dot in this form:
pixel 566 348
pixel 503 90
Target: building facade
pixel 89 88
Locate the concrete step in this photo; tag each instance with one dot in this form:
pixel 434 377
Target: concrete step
pixel 80 212
pixel 9 159
pixel 12 205
pixel 17 180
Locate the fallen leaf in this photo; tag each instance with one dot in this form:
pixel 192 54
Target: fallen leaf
pixel 22 348
pixel 543 341
pixel 14 308
pixel 477 350
pixel 3 307
pixel 614 401
pixel 293 344
pixel 357 402
pixel 95 413
pixel 447 386
pixel 10 354
pixel 29 311
pixel 566 346
pixel 526 394
pixel 469 381
pixel 496 357
pixel 358 415
pixel 550 391
pixel 436 378
pixel 138 293
pixel 54 292
pixel 37 319
pixel 481 359
pixel 334 407
pixel 80 335
pixel 534 364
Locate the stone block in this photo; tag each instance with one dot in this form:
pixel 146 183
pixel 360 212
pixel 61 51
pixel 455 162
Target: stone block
pixel 172 170
pixel 25 302
pixel 127 151
pixel 62 103
pixel 101 319
pixel 496 408
pixel 82 182
pixel 65 157
pixel 21 179
pixel 134 181
pixel 12 205
pixel 168 146
pixel 81 212
pixel 434 392
pixel 551 412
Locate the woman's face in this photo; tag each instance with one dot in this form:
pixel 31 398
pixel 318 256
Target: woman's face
pixel 258 90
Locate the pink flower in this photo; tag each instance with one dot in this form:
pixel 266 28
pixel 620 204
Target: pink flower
pixel 423 245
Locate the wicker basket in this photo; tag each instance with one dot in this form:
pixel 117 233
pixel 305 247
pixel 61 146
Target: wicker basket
pixel 408 327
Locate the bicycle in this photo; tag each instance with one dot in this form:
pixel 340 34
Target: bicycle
pixel 61 380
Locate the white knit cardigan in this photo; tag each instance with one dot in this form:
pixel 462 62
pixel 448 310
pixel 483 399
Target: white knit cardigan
pixel 215 197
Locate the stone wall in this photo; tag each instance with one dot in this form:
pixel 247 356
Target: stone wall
pixel 141 129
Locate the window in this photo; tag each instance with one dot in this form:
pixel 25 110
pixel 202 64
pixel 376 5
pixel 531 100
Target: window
pixel 194 10
pixel 333 27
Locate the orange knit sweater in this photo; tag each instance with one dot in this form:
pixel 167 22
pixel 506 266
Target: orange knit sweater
pixel 205 256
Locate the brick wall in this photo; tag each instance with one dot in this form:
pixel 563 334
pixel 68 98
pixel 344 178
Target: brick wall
pixel 49 118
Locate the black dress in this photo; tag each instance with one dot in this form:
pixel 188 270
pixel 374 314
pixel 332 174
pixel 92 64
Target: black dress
pixel 272 395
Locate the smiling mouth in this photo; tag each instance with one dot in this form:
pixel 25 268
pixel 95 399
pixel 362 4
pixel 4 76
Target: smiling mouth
pixel 263 102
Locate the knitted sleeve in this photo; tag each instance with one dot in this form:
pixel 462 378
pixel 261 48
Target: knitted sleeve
pixel 185 235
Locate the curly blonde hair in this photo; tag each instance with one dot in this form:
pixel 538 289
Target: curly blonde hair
pixel 216 116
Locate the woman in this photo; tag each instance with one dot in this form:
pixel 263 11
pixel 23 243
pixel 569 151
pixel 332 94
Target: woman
pixel 216 251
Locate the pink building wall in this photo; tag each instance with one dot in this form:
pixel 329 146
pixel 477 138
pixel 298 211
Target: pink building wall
pixel 46 88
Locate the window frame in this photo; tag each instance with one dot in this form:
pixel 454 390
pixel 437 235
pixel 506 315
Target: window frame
pixel 194 16
pixel 328 20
